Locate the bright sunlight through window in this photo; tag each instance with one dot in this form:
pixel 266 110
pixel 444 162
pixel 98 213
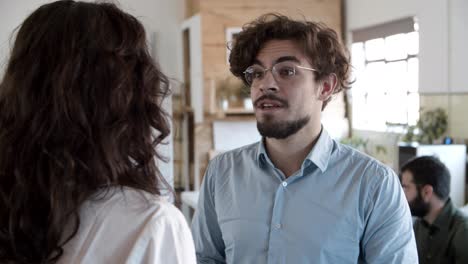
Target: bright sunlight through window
pixel 386 89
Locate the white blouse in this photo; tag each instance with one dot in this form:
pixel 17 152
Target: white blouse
pixel 130 226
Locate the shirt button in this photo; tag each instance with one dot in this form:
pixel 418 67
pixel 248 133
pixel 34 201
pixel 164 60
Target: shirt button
pixel 285 184
pixel 277 226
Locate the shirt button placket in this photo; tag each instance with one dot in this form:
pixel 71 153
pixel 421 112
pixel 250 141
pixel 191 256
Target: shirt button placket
pixel 276 223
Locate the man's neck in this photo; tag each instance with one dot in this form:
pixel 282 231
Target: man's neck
pixel 289 153
pixel 436 207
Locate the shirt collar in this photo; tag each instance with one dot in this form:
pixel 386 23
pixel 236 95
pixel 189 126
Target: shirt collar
pixel 319 155
pixel 261 152
pixel 321 152
pixel 444 217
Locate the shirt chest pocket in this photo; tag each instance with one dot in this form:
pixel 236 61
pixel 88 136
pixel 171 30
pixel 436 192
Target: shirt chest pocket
pixel 244 217
pixel 244 234
pixel 330 235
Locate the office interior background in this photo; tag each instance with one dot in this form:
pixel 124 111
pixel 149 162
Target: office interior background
pixel 409 66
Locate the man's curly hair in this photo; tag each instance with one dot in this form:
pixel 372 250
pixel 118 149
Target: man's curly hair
pixel 319 43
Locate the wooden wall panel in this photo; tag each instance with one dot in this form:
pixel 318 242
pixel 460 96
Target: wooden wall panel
pixel 192 7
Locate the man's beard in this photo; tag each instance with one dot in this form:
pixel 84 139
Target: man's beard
pixel 418 207
pixel 281 130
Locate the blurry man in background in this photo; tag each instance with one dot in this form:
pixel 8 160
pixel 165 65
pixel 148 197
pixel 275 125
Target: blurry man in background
pixel 441 229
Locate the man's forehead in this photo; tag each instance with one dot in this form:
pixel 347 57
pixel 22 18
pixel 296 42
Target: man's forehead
pixel 280 59
pixel 276 49
pixel 407 176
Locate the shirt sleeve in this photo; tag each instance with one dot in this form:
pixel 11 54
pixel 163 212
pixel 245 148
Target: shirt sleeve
pixel 460 242
pixel 171 240
pixel 165 239
pixel 388 235
pixel 209 244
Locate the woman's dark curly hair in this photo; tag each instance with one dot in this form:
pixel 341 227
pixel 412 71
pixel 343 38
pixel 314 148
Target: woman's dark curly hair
pixel 319 43
pixel 80 111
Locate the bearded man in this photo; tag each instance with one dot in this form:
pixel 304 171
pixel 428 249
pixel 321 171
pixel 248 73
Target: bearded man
pixel 298 196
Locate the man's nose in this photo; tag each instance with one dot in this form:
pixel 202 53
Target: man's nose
pixel 268 84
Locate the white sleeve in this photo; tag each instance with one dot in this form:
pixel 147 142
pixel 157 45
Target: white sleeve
pixel 168 240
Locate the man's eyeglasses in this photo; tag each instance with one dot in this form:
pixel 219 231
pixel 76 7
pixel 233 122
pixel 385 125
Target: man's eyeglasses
pixel 283 72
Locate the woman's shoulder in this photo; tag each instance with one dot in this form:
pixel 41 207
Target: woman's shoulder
pixel 132 204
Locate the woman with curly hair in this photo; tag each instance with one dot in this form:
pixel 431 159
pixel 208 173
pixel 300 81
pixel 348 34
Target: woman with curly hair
pixel 80 117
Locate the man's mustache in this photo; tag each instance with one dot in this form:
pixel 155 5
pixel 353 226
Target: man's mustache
pixel 271 97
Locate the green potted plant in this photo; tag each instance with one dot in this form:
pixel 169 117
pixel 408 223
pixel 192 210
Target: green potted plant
pixel 375 150
pixel 233 90
pixel 432 124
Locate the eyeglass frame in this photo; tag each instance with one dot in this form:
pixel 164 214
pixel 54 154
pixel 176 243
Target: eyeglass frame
pixel 271 69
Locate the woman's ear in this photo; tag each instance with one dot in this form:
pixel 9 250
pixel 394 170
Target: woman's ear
pixel 327 87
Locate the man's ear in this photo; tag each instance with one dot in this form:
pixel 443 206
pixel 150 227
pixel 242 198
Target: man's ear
pixel 426 192
pixel 327 86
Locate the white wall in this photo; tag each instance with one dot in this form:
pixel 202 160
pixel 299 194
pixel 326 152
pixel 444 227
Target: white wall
pixel 433 32
pixel 11 15
pixel 161 19
pixel 458 22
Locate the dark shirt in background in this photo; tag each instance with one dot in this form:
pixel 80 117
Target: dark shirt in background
pixel 446 240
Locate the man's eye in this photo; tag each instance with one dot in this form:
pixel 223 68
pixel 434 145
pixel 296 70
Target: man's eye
pixel 257 74
pixel 286 72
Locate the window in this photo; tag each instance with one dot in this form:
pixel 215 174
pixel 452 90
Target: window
pixel 385 68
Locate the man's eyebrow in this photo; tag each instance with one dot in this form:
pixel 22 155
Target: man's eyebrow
pixel 258 62
pixel 280 59
pixel 286 58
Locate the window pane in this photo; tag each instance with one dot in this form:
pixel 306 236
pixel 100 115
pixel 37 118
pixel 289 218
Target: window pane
pixel 395 47
pixel 358 58
pixel 386 75
pixel 413 74
pixel 358 64
pixel 396 107
pixel 413 108
pixel 358 108
pixel 396 77
pixel 375 117
pixel 412 43
pixel 373 76
pixel 359 85
pixel 375 49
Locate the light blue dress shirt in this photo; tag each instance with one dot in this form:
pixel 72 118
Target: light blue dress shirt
pixel 340 207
